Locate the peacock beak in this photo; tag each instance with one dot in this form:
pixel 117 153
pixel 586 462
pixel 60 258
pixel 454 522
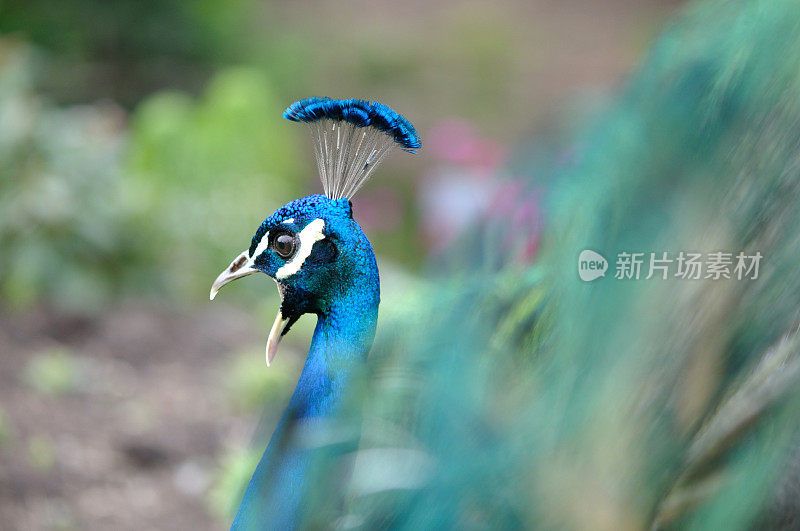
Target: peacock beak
pixel 276 333
pixel 240 267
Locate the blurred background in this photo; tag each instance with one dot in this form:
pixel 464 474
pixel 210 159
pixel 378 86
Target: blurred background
pixel 141 144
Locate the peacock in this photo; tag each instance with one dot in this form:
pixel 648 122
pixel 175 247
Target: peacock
pixel 323 264
pixel 505 393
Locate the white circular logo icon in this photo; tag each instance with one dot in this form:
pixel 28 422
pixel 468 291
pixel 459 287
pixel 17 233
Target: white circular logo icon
pixel 591 265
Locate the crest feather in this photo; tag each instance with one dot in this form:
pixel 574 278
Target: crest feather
pixel 351 138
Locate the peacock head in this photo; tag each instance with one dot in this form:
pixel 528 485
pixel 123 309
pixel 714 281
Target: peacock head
pixel 312 247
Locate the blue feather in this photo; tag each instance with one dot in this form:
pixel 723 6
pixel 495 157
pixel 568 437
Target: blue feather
pixel 360 113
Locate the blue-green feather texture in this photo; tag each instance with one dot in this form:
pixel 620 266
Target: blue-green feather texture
pixel 360 113
pixel 507 394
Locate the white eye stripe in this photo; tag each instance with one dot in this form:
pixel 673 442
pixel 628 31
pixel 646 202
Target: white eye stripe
pixel 262 246
pixel 290 220
pixel 311 234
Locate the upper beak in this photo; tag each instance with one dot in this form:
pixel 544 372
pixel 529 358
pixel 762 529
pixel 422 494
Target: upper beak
pixel 240 267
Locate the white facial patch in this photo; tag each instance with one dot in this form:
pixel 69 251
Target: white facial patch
pixel 311 234
pixel 261 247
pixel 290 220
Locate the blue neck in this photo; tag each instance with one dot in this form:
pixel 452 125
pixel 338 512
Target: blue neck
pixel 341 342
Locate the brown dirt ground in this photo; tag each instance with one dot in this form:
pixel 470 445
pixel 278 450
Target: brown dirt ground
pixel 136 444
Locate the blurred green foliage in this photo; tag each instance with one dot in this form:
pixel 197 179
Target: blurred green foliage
pixel 64 222
pixel 204 173
pixel 234 472
pixel 54 372
pixel 251 386
pixel 127 48
pixel 197 29
pixel 90 212
pixel 41 452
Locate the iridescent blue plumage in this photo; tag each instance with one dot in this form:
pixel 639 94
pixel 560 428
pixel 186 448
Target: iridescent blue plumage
pixel 339 283
pixel 360 113
pixel 323 264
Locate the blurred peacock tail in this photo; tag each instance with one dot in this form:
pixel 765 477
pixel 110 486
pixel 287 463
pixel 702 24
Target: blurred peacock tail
pixel 323 264
pixel 509 394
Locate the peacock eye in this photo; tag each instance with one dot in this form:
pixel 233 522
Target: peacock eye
pixel 285 245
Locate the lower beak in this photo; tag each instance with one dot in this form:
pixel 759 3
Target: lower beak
pixel 275 335
pixel 240 267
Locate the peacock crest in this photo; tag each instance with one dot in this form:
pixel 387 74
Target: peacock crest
pixel 351 138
